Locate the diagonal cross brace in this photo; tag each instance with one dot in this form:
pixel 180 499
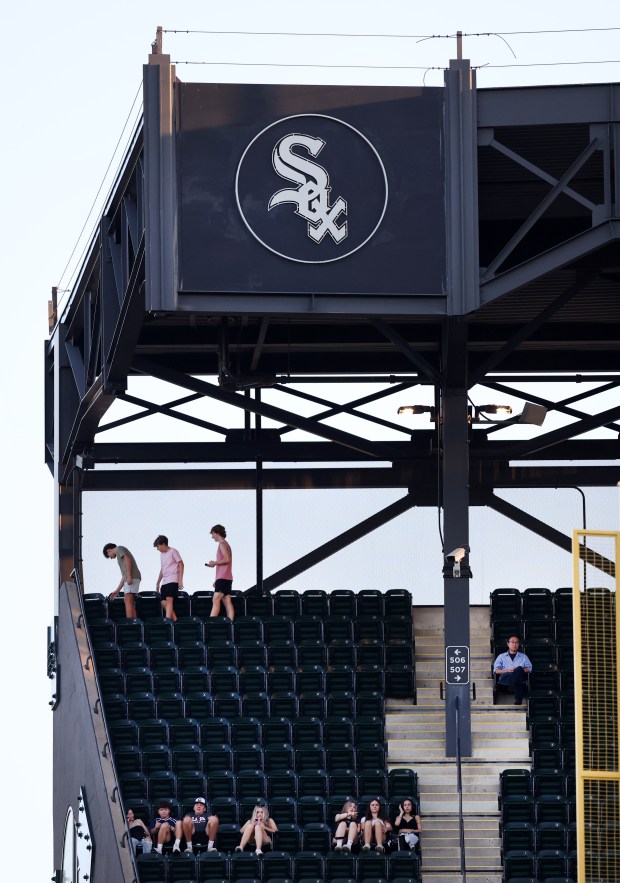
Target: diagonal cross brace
pixel 337 543
pixel 245 403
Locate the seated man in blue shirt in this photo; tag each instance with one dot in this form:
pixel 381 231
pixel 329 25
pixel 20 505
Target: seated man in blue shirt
pixel 513 668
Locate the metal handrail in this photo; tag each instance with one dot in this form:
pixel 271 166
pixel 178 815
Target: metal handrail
pixel 109 756
pixel 459 785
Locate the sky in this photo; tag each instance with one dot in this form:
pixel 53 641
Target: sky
pixel 72 74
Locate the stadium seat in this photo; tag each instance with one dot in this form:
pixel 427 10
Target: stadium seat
pixel 537 603
pixel 337 731
pixel 253 679
pixel 258 605
pixel 158 630
pixel 342 652
pixel 151 868
pixel 189 784
pixel 312 652
pixel 542 653
pixel 277 730
pixel 284 810
pixel 251 784
pixel 169 706
pixel 221 784
pixel 123 733
pixel 228 836
pixel 316 837
pixel 338 628
pixel 248 757
pixel 201 603
pixel 343 781
pixel 287 603
pixel 341 865
pixel 281 679
pixel 400 682
pixel 167 680
pixel 518 836
pixel 369 628
pixel 192 653
pixel 227 703
pixel 341 704
pixel 284 705
pixel 199 705
pixel 282 653
pixel 370 603
pixel 310 678
pixel 224 679
pixel 252 653
pixel 218 630
pixel 372 782
pixel 398 602
pixel 279 757
pixel 374 864
pixel 314 603
pixel 402 783
pixel 213 866
pixel 398 628
pixel 341 757
pixel 371 757
pixel 278 628
pixel 505 603
pixel 182 604
pixel 371 679
pixel 217 757
pixel 517 808
pixel 310 757
pixel 341 678
pixel 343 602
pixel 308 628
pixel 95 606
pixel 563 604
pixel 549 757
pixel 128 759
pixel 164 654
pixel 139 680
pixel 226 809
pixel 129 631
pixel 277 865
pixel 281 783
pixel 551 863
pixel 182 867
pixel 311 809
pixel 371 652
pixel 368 729
pixel 404 864
pixel 312 783
pixel 141 706
pixel 186 757
pixel 111 682
pixel 248 628
pixel 161 785
pixel 552 808
pixel 187 630
pixel 399 653
pixel 551 835
pixel 156 759
pixel 246 730
pixel 102 631
pixel 215 731
pixel 548 782
pixel 519 863
pixel 288 838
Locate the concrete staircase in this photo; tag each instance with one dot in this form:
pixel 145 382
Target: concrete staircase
pixel 416 739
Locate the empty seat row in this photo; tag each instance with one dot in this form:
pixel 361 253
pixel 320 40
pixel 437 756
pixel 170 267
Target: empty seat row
pixel 339 602
pixel 187 629
pixel 549 731
pixel 534 603
pixel 546 808
pixel 157 757
pixel 310 865
pixel 395 680
pixel 545 835
pixel 560 631
pixel 544 865
pixel 146 704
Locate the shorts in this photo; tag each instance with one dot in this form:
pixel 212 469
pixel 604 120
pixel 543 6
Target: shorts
pixel 170 590
pixel 223 585
pixel 200 838
pixel 132 589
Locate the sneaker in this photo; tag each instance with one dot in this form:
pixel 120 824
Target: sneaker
pixel 379 847
pixel 190 849
pixel 258 852
pixel 214 849
pixel 366 847
pixel 237 849
pixel 338 847
pixel 176 848
pixel 346 847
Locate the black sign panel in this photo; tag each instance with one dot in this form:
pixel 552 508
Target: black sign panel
pixel 310 189
pixel 457 664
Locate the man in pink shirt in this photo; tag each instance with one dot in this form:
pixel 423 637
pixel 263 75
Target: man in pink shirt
pixel 223 572
pixel 170 576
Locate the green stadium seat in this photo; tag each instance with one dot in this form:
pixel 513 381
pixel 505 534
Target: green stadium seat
pixel 116 608
pixel 138 680
pixel 373 864
pixel 101 631
pixel 309 757
pixel 517 808
pixel 311 809
pixel 164 654
pixel 370 679
pixel 162 785
pixel 519 863
pixel 369 702
pixel 213 866
pixel 312 783
pixel 252 785
pixel 181 867
pixel 227 703
pixel 128 759
pixel 167 680
pixel 548 782
pixel 400 682
pixel 370 603
pixel 369 628
pixel 339 865
pixel 549 757
pixel 312 652
pixel 95 606
pixel 338 628
pixel 563 604
pixel 537 603
pixel 215 731
pixel 399 652
pixel 226 809
pixel 248 757
pixel 141 706
pixel 252 653
pixel 371 653
pixel 341 678
pixel 158 630
pixel 281 783
pixel 371 757
pixel 402 783
pixel 169 705
pixel 199 705
pixel 372 782
pixel 551 835
pixel 338 731
pixel 277 865
pixel 182 604
pixel 238 599
pixel 277 730
pixel 342 602
pixel 192 654
pixel 551 863
pixel 278 628
pixel 156 759
pixel 201 603
pixel 368 729
pixel 245 730
pixel 284 810
pixel 518 835
pixel 218 630
pixel 343 781
pixel 107 655
pixel 314 603
pixel 308 628
pixel 248 628
pixel 342 653
pixel 310 678
pixel 398 628
pixel 186 758
pixel 111 682
pixel 253 679
pixel 281 679
pixel 288 838
pixel 341 757
pixel 151 868
pixel 148 606
pixel 123 733
pixel 287 603
pixel 221 784
pixel 285 705
pixel 535 629
pixel 216 758
pixel 279 757
pixel 552 808
pixel 404 865
pixel 505 603
pixel 184 730
pixel 224 679
pixel 398 602
pixel 189 784
pixel 115 706
pixel 282 653
pixel 129 631
pixel 341 704
pixel 316 837
pixel 258 605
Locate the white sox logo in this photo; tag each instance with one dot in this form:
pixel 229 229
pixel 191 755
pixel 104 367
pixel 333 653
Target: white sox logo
pixel 312 194
pixel 336 192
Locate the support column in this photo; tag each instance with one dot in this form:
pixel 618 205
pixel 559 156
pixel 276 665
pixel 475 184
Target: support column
pixel 455 469
pixel 259 509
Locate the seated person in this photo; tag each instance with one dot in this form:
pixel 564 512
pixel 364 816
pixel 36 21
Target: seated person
pixel 162 827
pixel 407 825
pixel 346 827
pixel 513 668
pixel 258 828
pixel 139 833
pixel 198 828
pixel 375 826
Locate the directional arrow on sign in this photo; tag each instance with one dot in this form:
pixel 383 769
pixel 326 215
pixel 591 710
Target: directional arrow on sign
pixel 457 652
pixel 457 677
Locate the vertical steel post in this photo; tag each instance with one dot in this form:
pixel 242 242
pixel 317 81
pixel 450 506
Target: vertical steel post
pixel 259 508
